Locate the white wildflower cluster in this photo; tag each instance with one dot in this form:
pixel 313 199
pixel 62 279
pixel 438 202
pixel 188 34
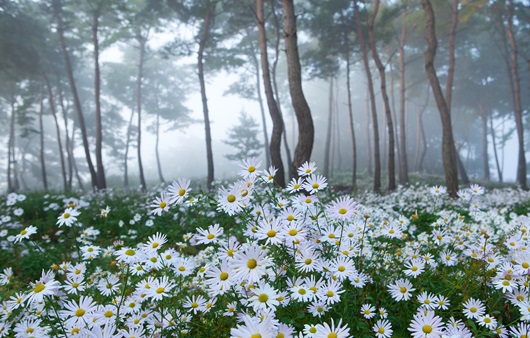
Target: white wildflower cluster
pixel 291 262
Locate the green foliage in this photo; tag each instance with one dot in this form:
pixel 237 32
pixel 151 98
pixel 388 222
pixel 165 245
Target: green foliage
pixel 244 137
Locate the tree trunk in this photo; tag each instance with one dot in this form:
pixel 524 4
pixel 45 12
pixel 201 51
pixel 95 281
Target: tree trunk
pixel 368 138
pixel 375 126
pixel 141 42
pixel 448 145
pixel 74 162
pixel 102 184
pixel 200 64
pixel 420 136
pixel 126 155
pixel 494 143
pixel 386 102
pixel 41 138
pixel 306 131
pixel 395 119
pixel 157 153
pixel 58 130
pixel 262 109
pixel 12 176
pixel 277 30
pixel 77 101
pixel 521 161
pixel 352 126
pixel 327 148
pixel 450 79
pixel 404 172
pixel 69 148
pixel 485 158
pixel 277 121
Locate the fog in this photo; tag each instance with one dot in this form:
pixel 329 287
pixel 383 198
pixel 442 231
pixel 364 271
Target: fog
pixel 483 100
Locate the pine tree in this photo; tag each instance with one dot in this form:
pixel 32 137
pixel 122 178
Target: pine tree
pixel 244 137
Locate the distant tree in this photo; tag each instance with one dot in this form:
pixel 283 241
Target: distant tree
pixel 244 137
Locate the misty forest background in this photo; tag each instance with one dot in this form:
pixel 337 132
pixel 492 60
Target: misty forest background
pixel 388 92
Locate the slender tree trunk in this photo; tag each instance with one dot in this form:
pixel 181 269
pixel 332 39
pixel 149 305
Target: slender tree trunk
pixel 421 142
pixel 306 131
pixel 102 184
pixel 521 161
pixel 200 64
pixel 277 30
pixel 74 162
pixel 127 145
pixel 352 126
pixel 77 101
pixel 337 134
pixel 494 143
pixel 485 158
pixel 364 52
pixel 141 43
pixel 58 130
pixel 395 120
pixel 327 147
pixel 41 138
pixel 368 137
pixel 404 172
pixel 69 148
pixel 448 145
pixel 262 109
pixel 157 153
pixel 388 112
pixel 12 178
pixel 277 121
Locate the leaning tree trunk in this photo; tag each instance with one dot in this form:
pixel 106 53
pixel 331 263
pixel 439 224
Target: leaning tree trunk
pixel 277 121
pixel 139 77
pixel 277 30
pixel 368 138
pixel 58 130
pixel 364 53
pixel 41 138
pixel 521 161
pixel 102 184
pixel 448 144
pixel 404 172
pixel 200 65
pixel 450 79
pixel 77 101
pixel 388 112
pixel 306 130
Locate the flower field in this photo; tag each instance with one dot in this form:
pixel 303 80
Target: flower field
pixel 253 260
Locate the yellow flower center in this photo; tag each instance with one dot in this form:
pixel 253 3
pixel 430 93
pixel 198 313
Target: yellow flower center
pixel 230 253
pixel 525 265
pixel 293 232
pixel 271 233
pixel 403 289
pixel 414 268
pixel 255 335
pixel 29 330
pixel 23 232
pixel 108 314
pixel 252 263
pixel 79 312
pixel 38 287
pixel 308 261
pixel 160 290
pixel 223 276
pixel 302 291
pixel 163 205
pixel 381 330
pixel 251 169
pixel 315 185
pixel 66 215
pixel 210 236
pixel 290 218
pixel 182 268
pixel 342 211
pixel 332 335
pixel 473 309
pixel 182 192
pixel 341 268
pixel 263 298
pixel 296 186
pixel 231 198
pixel 330 293
pixel 427 329
pixel 154 245
pixel 194 305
